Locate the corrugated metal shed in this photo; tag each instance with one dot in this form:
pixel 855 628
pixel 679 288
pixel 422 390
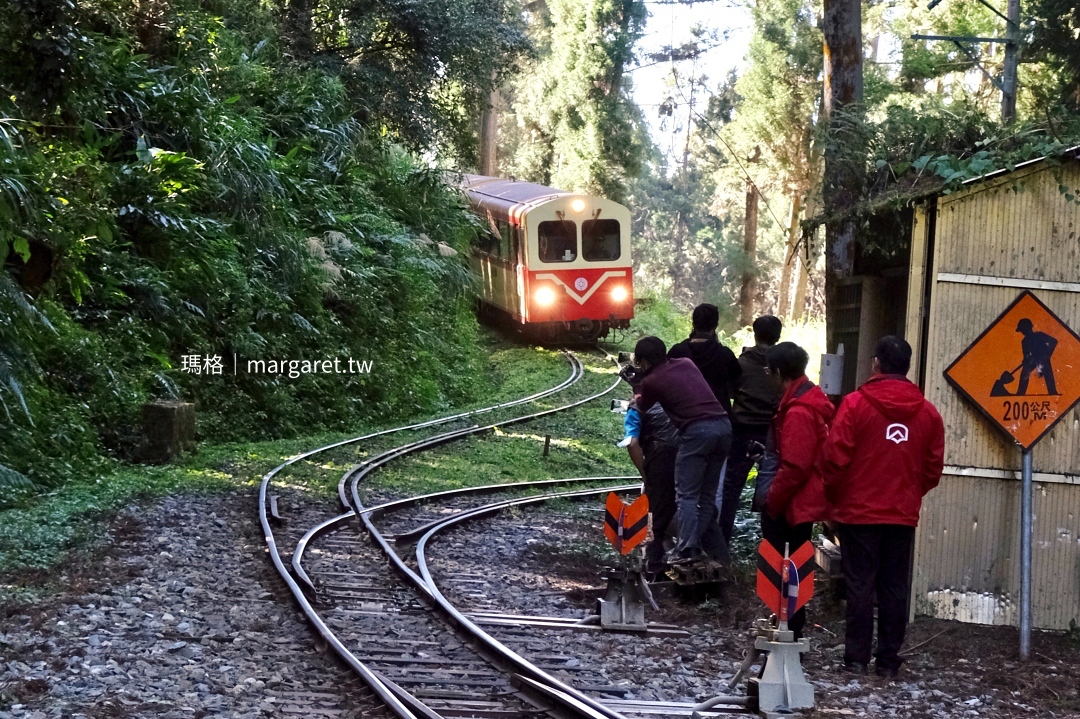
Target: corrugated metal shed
pixel 972 253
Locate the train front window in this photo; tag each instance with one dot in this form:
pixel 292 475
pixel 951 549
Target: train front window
pixel 557 241
pixel 600 240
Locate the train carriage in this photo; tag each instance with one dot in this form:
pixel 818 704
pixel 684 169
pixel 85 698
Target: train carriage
pixel 553 262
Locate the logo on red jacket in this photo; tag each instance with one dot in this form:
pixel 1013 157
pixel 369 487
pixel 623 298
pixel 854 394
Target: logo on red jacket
pixel 896 433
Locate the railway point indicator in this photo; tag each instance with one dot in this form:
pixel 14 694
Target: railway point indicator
pixel 785 584
pixel 623 605
pixel 1023 371
pixel 626 525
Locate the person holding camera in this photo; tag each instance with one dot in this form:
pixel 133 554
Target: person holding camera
pixel 678 386
pixel 796 494
pixel 652 442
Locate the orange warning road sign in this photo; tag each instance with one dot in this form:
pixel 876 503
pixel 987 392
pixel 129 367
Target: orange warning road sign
pixel 797 587
pixel 1023 371
pixel 626 526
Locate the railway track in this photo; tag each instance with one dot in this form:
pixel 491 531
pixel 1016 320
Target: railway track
pixel 375 599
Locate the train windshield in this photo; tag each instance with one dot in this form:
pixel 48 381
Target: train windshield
pixel 600 240
pixel 557 241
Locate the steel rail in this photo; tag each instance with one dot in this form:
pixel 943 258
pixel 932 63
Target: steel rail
pixel 577 372
pixel 411 535
pixel 356 474
pixel 385 694
pixel 524 666
pixel 389 695
pixel 381 510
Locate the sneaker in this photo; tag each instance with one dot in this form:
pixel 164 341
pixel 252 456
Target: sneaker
pixel 684 557
pixel 859 668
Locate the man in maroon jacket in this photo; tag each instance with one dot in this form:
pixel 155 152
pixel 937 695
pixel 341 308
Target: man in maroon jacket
pixel 796 497
pixel 885 452
pixel 704 439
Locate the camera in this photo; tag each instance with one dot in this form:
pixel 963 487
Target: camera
pixel 620 405
pixel 630 373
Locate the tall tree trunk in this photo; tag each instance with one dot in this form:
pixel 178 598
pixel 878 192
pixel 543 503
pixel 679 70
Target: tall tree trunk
pixel 489 134
pixel 842 28
pixel 298 30
pixel 749 289
pixel 802 278
pixel 791 259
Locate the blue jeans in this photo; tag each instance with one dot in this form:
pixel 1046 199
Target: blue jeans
pixel 703 448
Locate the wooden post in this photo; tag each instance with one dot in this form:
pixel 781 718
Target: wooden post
pixel 1012 52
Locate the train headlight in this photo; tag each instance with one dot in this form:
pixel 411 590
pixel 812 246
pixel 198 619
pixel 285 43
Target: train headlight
pixel 545 296
pixel 578 205
pixel 619 294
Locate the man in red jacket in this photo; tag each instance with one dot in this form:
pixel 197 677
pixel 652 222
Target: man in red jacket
pixel 796 497
pixel 885 452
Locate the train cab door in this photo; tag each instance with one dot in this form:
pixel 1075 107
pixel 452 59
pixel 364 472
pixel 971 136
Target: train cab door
pixel 515 279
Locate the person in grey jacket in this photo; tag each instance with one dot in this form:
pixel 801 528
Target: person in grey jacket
pixel 755 400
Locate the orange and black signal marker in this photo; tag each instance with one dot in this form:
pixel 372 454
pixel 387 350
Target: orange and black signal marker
pixel 785 585
pixel 626 526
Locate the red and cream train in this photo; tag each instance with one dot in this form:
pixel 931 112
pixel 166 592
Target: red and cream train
pixel 554 262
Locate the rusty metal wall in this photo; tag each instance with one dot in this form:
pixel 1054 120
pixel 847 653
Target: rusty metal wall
pixel 968 548
pixel 1019 227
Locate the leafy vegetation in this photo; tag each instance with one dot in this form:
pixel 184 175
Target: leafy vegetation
pixel 928 122
pixel 175 184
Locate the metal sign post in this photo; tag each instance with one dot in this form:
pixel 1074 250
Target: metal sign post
pixel 1025 555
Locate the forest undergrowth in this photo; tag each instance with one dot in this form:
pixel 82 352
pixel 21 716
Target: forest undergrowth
pixel 179 196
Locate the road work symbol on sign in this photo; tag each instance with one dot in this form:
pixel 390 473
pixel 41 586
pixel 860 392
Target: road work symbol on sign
pixel 785 584
pixel 626 525
pixel 1023 371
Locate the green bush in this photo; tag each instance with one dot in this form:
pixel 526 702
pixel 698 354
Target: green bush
pixel 213 198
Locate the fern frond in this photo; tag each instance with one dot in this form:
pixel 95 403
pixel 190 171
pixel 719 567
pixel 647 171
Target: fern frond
pixel 10 479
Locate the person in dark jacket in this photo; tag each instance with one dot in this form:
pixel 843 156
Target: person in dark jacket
pixel 652 443
pixel 704 439
pixel 796 496
pixel 752 408
pixel 884 453
pixel 717 363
